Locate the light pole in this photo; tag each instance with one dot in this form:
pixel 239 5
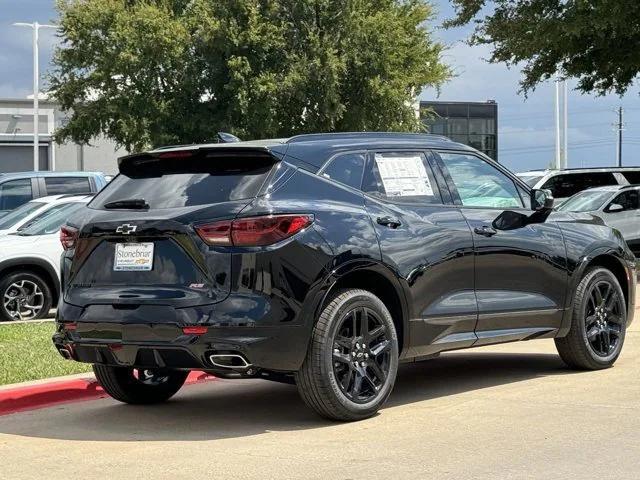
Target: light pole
pixel 36 87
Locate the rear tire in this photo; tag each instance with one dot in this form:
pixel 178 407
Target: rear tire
pixel 139 386
pixel 24 296
pixel 598 323
pixel 352 361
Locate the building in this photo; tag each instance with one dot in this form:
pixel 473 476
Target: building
pixel 16 141
pixel 472 123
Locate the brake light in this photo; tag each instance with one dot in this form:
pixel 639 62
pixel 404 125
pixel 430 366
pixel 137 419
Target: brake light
pixel 253 231
pixel 177 154
pixel 194 330
pixel 68 237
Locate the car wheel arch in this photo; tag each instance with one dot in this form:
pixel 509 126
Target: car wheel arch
pixel 37 266
pixel 603 257
pixel 377 279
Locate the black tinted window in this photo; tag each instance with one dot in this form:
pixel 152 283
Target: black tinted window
pixel 15 193
pixel 185 182
pixel 67 185
pixel 347 169
pixel 568 184
pixel 628 200
pixel 402 177
pixel 632 177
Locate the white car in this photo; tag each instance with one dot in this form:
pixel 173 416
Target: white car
pixel 30 265
pixel 34 211
pixel 618 207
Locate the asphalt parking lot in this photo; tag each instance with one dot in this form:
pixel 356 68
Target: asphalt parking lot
pixel 511 411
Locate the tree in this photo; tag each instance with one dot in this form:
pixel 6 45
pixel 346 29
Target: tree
pixel 156 72
pixel 595 41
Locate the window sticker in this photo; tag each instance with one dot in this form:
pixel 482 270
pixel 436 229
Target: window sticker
pixel 404 176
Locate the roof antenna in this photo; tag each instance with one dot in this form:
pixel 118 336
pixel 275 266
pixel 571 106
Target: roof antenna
pixel 224 137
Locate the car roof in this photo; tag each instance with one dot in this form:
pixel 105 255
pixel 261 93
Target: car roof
pixel 13 175
pixel 67 197
pixel 612 188
pixel 546 171
pixel 315 149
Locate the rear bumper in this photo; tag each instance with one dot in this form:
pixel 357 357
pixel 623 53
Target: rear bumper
pixel 279 349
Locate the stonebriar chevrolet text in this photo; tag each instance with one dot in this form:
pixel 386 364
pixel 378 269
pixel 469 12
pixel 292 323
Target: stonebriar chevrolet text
pixel 324 261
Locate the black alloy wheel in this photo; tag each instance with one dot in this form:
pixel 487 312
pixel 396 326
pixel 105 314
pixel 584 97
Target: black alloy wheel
pixel 361 354
pixel 598 322
pixel 352 359
pixel 604 321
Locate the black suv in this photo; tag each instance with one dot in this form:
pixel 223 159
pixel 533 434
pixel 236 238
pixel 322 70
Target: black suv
pixel 324 261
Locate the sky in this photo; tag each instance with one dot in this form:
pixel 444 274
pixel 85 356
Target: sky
pixel 526 126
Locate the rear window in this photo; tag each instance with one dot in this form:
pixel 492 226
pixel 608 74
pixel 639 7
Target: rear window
pixel 67 185
pixel 568 184
pixel 185 182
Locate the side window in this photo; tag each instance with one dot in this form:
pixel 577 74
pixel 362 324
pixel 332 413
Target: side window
pixel 347 169
pixel 632 177
pixel 628 200
pixel 566 185
pixel 479 184
pixel 404 177
pixel 15 193
pixel 64 185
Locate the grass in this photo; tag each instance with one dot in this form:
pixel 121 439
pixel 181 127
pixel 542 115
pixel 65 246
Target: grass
pixel 27 353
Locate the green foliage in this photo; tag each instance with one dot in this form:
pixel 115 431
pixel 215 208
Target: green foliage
pixel 595 41
pixel 27 353
pixel 156 72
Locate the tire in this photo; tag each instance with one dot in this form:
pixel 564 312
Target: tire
pixel 328 380
pixel 28 290
pixel 122 383
pixel 584 347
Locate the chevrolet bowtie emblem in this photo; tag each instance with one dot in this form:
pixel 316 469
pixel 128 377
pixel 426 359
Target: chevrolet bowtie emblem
pixel 126 229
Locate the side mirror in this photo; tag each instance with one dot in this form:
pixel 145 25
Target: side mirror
pixel 615 207
pixel 541 200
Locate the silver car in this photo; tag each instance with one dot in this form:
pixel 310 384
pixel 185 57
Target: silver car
pixel 618 206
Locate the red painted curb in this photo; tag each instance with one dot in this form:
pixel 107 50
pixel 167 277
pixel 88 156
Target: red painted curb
pixel 48 394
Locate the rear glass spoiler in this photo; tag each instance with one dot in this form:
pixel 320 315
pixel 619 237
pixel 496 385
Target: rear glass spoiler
pixel 217 158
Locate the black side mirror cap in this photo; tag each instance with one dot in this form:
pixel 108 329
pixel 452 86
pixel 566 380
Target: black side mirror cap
pixel 541 200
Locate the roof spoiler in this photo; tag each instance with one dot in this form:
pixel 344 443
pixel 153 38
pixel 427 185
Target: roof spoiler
pixel 232 151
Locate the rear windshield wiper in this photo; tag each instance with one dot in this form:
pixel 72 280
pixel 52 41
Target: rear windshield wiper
pixel 134 204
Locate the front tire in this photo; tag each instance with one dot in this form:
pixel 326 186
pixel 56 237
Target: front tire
pixel 598 323
pixel 352 361
pixel 139 386
pixel 24 296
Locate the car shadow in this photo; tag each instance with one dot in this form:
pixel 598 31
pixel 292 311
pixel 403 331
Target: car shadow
pixel 238 408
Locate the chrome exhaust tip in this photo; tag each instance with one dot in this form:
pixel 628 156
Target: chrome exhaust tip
pixel 231 361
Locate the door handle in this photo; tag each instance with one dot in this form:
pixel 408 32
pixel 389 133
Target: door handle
pixel 485 231
pixel 388 222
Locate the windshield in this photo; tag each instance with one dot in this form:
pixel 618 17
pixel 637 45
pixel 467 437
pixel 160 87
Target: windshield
pixel 530 180
pixel 19 214
pixel 52 223
pixel 585 201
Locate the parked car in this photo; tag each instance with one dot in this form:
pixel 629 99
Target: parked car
pixel 565 183
pixel 619 207
pixel 17 189
pixel 33 211
pixel 30 265
pixel 324 261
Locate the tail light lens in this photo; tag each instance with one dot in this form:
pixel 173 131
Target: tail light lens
pixel 253 231
pixel 68 237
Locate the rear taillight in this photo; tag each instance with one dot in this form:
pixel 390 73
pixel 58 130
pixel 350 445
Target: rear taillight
pixel 68 237
pixel 253 231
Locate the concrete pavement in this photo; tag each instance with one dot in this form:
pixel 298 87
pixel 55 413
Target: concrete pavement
pixel 510 411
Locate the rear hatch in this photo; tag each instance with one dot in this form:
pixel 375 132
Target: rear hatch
pixel 138 245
